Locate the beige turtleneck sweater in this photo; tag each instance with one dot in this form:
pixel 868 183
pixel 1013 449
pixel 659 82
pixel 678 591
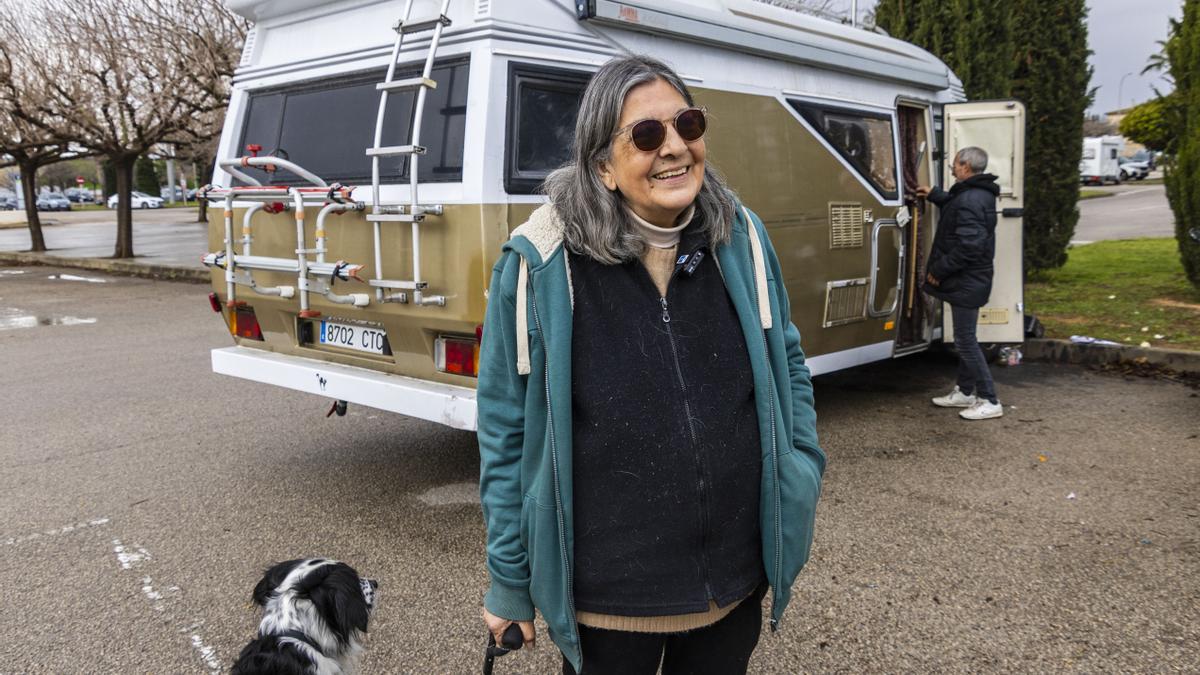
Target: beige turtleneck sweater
pixel 662 244
pixel 659 261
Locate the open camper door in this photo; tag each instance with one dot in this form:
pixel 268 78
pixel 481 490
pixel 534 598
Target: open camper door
pixel 999 128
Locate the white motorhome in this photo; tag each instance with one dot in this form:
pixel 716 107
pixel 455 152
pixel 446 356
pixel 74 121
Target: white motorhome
pixel 353 249
pixel 1100 161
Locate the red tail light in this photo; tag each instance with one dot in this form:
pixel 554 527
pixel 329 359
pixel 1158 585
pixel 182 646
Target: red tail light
pixel 243 323
pixel 215 302
pixel 458 356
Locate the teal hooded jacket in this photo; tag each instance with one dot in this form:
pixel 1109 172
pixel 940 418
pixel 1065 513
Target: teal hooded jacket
pixel 524 422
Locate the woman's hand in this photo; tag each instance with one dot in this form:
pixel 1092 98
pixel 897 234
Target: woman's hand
pixel 497 625
pixel 923 191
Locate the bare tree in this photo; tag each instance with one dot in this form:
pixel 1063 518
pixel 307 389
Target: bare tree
pixel 24 145
pixel 136 74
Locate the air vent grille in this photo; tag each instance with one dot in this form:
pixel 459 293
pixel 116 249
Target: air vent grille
pixel 483 9
pixel 845 301
pixel 845 225
pixel 248 48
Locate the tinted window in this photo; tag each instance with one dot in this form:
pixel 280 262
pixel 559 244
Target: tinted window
pixel 865 140
pixel 542 106
pixel 326 126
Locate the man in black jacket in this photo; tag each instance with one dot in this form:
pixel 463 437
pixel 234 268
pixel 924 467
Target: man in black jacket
pixel 960 273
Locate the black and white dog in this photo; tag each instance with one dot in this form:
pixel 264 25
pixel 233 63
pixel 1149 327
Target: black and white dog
pixel 315 614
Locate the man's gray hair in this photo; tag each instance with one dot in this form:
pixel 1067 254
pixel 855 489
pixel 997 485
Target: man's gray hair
pixel 596 220
pixel 974 157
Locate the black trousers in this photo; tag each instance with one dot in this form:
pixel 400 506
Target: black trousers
pixel 723 648
pixel 974 377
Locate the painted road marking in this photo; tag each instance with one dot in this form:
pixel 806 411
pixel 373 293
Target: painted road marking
pixel 130 557
pixel 73 277
pixel 55 531
pixel 1134 192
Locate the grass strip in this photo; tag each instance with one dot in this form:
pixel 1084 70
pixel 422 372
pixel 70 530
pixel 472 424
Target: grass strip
pixel 1129 291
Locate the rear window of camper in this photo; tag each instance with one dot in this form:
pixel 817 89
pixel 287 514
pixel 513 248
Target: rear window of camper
pixel 542 106
pixel 327 125
pixel 864 139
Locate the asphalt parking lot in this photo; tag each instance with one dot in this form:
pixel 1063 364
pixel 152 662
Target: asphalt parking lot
pixel 141 496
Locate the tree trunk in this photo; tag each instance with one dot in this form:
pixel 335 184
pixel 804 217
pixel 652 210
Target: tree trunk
pixel 124 167
pixel 29 188
pixel 202 204
pixel 100 178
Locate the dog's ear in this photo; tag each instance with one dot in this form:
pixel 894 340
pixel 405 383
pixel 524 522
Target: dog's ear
pixel 339 599
pixel 271 580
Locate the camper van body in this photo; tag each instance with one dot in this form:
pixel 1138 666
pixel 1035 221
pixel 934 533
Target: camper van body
pixel 822 129
pixel 1100 161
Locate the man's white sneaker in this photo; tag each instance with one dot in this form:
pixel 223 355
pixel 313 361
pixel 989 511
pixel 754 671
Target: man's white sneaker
pixel 982 410
pixel 955 399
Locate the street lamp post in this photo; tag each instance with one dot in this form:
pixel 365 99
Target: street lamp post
pixel 1120 84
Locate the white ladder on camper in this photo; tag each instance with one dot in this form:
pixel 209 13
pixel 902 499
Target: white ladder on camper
pixel 414 212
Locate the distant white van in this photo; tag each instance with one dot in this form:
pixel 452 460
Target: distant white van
pixel 1099 163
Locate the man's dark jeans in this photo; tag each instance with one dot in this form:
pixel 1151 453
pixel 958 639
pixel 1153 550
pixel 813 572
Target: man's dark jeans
pixel 974 377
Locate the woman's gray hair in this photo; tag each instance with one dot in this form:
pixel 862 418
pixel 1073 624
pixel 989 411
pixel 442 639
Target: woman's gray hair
pixel 595 219
pixel 974 157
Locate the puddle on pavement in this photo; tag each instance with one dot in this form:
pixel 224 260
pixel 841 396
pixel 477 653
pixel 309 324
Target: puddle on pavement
pixel 72 277
pixel 12 318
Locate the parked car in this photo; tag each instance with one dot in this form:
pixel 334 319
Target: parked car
pixel 53 201
pixel 1144 156
pixel 138 200
pixel 165 193
pixel 8 203
pixel 80 195
pixel 1133 170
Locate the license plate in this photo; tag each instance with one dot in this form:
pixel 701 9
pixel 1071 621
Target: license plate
pixel 350 336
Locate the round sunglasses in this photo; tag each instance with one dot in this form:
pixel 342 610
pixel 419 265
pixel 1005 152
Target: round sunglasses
pixel 649 135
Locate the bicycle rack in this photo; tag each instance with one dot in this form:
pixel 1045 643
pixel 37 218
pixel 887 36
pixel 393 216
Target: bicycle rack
pixel 310 275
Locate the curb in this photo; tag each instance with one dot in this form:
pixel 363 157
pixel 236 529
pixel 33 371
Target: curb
pixel 113 266
pixel 1064 351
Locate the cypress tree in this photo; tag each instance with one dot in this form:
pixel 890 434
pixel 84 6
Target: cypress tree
pixel 145 178
pixel 1051 78
pixel 973 37
pixel 1183 168
pixel 1045 67
pixel 985 49
pixel 898 17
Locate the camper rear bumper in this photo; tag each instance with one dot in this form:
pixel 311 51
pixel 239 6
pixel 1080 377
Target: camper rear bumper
pixel 442 403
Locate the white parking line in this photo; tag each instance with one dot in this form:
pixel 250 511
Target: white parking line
pixel 130 557
pixel 208 654
pixel 1134 192
pixel 54 531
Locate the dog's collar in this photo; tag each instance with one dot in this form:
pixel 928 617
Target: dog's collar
pixel 299 637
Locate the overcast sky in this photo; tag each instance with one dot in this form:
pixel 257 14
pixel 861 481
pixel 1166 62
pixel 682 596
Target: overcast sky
pixel 1122 35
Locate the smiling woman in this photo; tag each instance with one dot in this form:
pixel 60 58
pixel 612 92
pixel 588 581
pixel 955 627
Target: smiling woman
pixel 637 363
